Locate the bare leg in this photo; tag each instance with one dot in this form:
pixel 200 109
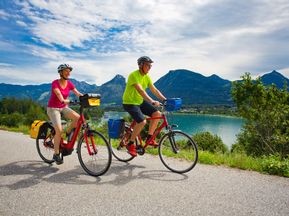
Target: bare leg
pixel 74 116
pixel 137 129
pixel 154 123
pixel 57 137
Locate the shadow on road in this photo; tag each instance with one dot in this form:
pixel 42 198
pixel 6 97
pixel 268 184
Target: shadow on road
pixel 24 174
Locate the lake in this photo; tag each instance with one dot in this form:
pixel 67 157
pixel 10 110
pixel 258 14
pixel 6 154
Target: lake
pixel 225 127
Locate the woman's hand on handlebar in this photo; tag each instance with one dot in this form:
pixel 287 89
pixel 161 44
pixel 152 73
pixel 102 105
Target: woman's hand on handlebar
pixel 66 101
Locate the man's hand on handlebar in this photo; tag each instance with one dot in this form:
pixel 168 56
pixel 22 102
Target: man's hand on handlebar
pixel 156 103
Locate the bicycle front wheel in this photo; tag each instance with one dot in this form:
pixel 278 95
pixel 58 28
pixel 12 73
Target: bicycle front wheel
pixel 45 146
pixel 118 146
pixel 178 152
pixel 94 153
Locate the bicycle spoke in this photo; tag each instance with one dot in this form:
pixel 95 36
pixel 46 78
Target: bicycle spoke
pixel 118 146
pixel 97 159
pixel 45 147
pixel 178 152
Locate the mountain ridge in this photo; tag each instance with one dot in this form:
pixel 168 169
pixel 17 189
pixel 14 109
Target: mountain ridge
pixel 192 87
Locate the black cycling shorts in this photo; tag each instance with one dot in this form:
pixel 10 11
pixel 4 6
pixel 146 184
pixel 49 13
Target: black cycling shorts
pixel 137 111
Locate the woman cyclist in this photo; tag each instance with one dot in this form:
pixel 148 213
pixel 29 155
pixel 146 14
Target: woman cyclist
pixel 58 105
pixel 138 103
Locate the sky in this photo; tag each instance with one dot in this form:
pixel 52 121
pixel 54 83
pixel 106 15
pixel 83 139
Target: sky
pixel 101 39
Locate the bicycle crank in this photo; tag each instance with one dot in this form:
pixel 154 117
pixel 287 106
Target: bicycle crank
pixel 140 150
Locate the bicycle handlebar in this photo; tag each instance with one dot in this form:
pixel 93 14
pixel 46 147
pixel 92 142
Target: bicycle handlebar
pixel 85 97
pixel 74 102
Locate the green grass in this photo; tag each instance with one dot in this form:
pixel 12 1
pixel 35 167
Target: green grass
pixel 269 164
pixel 22 128
pixel 240 161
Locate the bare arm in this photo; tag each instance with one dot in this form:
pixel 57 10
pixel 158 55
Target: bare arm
pixel 76 92
pixel 143 93
pixel 157 93
pixel 59 96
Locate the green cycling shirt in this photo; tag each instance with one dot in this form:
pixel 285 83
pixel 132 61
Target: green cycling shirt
pixel 131 95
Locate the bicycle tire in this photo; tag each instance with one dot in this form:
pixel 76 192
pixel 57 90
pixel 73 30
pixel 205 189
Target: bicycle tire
pixel 45 146
pixel 178 151
pixel 118 146
pixel 98 163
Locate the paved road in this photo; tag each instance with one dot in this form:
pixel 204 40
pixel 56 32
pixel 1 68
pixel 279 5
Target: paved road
pixel 142 187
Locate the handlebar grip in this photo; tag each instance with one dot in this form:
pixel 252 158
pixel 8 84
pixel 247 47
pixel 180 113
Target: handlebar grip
pixel 75 102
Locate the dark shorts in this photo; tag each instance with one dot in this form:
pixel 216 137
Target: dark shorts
pixel 137 112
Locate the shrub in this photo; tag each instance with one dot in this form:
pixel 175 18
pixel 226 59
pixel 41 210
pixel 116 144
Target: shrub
pixel 275 166
pixel 209 142
pixel 11 120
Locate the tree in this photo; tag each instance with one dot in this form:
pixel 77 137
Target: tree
pixel 14 112
pixel 266 110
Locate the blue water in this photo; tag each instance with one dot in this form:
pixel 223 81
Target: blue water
pixel 225 127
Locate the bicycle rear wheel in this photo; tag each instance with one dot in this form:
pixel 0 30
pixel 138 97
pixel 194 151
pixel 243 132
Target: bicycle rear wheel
pixel 118 146
pixel 45 146
pixel 178 152
pixel 98 161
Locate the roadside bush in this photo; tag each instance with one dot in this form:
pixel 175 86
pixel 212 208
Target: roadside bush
pixel 11 120
pixel 14 112
pixel 237 148
pixel 275 166
pixel 209 142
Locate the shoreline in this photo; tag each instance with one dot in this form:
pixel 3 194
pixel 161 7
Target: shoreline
pixel 206 114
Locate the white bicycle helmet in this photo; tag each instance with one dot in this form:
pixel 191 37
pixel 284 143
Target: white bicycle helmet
pixel 64 66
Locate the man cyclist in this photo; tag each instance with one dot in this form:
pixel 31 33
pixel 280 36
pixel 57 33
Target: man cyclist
pixel 58 104
pixel 138 103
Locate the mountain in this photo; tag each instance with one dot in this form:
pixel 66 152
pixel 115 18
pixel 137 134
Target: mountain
pixel 192 87
pixel 274 78
pixel 35 92
pixel 195 88
pixel 112 91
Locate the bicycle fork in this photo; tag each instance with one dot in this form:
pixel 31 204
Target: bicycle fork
pixel 173 142
pixel 91 148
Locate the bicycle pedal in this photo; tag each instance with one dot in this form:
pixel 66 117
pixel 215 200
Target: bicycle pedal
pixel 140 150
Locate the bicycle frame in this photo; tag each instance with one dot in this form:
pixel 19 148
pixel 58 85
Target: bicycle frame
pixel 81 123
pixel 156 132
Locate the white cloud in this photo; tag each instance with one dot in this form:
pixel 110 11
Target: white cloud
pixel 5 65
pixel 21 23
pixel 4 15
pixel 104 38
pixel 46 53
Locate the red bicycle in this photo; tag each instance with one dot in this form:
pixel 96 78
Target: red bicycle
pixel 93 150
pixel 177 150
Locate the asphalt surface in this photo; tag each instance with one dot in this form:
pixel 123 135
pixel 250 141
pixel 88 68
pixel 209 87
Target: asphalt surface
pixel 143 186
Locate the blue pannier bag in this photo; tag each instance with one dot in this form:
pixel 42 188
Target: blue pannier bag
pixel 173 104
pixel 115 128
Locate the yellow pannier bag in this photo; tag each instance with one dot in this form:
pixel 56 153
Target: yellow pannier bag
pixel 35 127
